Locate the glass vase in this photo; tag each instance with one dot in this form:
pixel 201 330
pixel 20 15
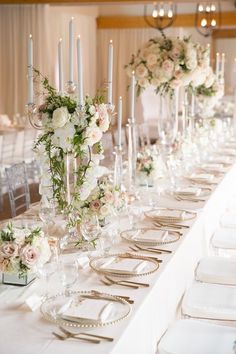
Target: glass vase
pixel 167 124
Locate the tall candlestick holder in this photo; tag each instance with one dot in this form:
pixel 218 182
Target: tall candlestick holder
pixel 118 169
pixel 132 154
pixel 34 116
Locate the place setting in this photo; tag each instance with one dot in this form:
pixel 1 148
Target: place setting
pixel 109 176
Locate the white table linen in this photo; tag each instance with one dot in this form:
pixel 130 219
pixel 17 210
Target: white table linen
pixel 155 308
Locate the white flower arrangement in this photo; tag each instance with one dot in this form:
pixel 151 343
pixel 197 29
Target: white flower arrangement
pixel 105 200
pixel 70 131
pixel 147 164
pixel 208 94
pixel 167 63
pixel 22 250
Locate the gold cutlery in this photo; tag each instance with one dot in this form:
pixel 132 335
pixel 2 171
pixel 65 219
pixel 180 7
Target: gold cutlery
pixel 130 255
pixel 99 293
pixel 109 283
pixel 126 281
pixel 136 249
pixel 172 225
pixel 187 199
pixel 71 334
pixel 90 340
pixel 103 297
pixel 166 229
pixel 154 249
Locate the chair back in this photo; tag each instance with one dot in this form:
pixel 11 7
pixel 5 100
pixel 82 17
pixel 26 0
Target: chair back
pixel 18 188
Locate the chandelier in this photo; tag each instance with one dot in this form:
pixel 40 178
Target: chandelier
pixel 162 16
pixel 207 17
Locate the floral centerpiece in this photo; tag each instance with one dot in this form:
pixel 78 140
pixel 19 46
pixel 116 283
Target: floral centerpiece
pixel 208 94
pixel 147 165
pixel 167 63
pixel 22 250
pixel 105 200
pixel 70 148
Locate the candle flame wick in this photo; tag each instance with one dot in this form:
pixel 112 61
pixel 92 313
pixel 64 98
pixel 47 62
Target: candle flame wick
pixel 111 41
pixel 60 40
pixel 30 36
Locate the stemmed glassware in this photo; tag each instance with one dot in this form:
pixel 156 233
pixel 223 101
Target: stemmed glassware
pixel 68 268
pixel 90 228
pixel 47 212
pixel 47 269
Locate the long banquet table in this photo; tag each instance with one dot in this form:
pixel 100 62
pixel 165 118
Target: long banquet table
pixel 155 308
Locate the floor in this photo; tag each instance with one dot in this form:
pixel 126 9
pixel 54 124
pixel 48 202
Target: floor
pixel 5 213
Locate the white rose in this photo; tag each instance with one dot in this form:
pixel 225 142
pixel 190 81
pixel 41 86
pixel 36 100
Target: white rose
pixel 105 210
pixel 60 117
pixel 151 59
pixel 63 137
pixel 141 71
pixel 93 135
pixel 92 110
pixel 143 82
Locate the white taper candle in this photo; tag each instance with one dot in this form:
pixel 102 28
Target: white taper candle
pixel 110 72
pixel 30 71
pixel 80 73
pixel 71 49
pixel 132 95
pixel 222 69
pixel 60 66
pixel 217 65
pixel 119 123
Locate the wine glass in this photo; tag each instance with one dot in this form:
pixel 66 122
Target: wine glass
pixel 47 212
pixel 68 272
pixel 90 228
pixel 46 270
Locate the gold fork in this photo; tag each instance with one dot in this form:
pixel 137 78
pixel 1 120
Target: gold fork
pixel 109 283
pixel 70 334
pixel 90 340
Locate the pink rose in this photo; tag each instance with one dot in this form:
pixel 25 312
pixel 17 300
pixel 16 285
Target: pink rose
pixel 95 205
pixel 4 264
pixel 8 250
pixel 168 65
pixel 108 197
pixel 29 256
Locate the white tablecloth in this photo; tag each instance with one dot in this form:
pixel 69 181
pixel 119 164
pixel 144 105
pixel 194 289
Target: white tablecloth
pixel 155 308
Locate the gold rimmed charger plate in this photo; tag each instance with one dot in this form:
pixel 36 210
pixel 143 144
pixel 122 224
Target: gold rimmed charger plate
pixel 186 215
pixel 50 306
pixel 94 264
pixel 170 237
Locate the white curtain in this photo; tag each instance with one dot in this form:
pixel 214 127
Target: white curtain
pixel 47 24
pixel 16 23
pixel 127 42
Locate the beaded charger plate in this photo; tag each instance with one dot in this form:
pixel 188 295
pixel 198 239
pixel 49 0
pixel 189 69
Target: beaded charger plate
pixel 124 265
pixel 171 215
pixel 85 309
pixel 150 236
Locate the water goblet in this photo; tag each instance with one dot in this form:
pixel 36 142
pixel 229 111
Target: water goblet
pixel 68 268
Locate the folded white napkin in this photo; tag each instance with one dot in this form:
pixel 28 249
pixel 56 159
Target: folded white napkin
pixel 168 213
pixel 126 266
pixel 202 176
pixel 33 302
pixel 150 236
pixel 90 309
